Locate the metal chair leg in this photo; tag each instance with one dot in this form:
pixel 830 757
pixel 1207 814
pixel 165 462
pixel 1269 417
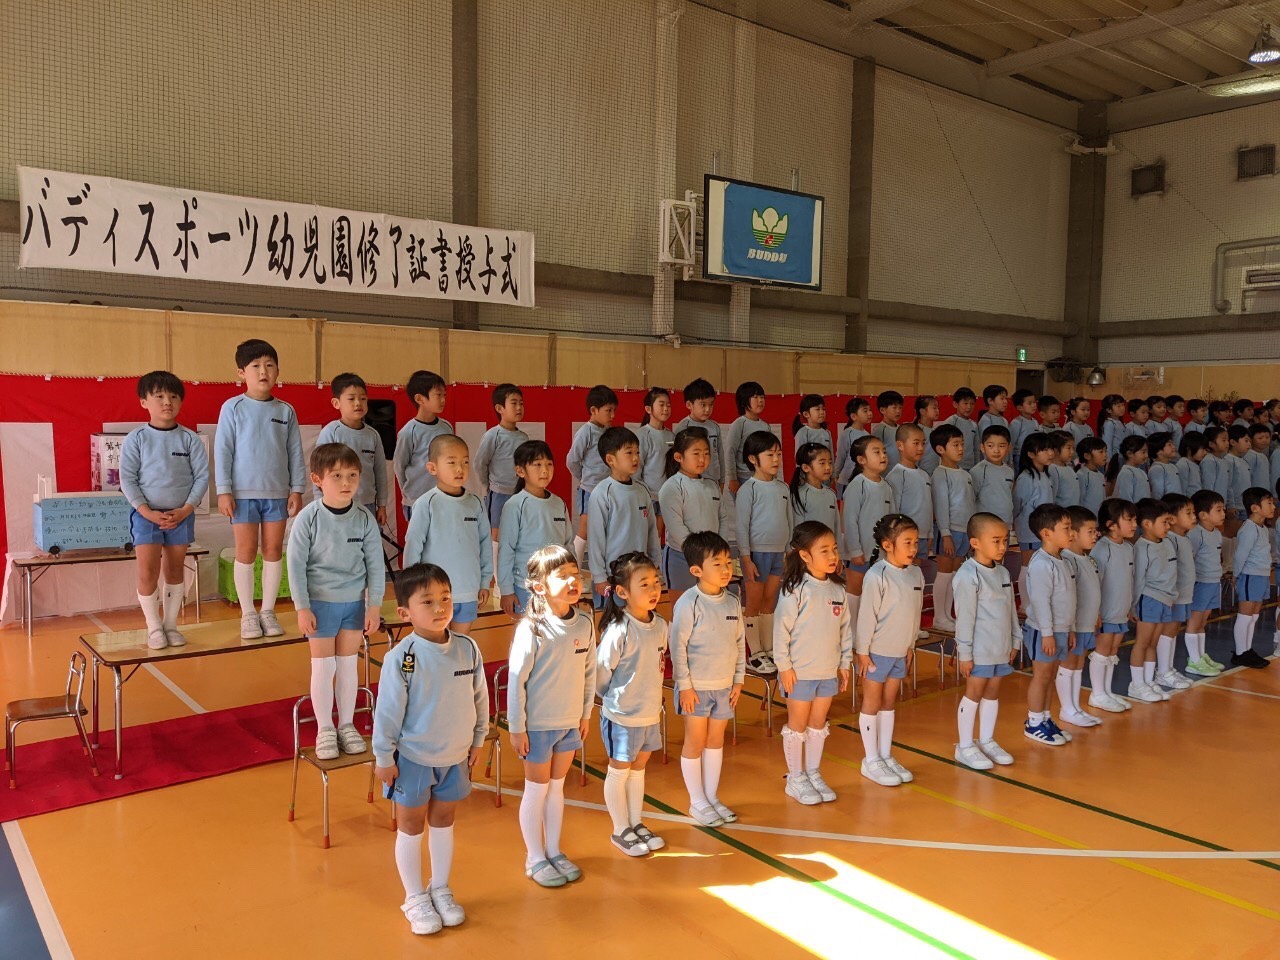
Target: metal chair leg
pixel 10 757
pixel 495 760
pixel 394 824
pixel 768 713
pixel 372 779
pixel 84 739
pixel 663 721
pixel 324 776
pixel 293 792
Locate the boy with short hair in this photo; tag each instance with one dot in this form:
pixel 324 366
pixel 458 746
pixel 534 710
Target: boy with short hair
pixel 1155 590
pixel 1183 518
pixel 337 590
pixel 429 726
pixel 1050 408
pixel 164 473
pixel 1206 547
pixel 965 400
pixel 260 479
pixel 1198 410
pixel 1257 457
pixel 620 516
pixel 912 488
pixel 993 477
pixel 1088 618
pixel 1244 413
pixel 583 460
pixel 655 440
pixel 1238 445
pixel 1166 413
pixel 427 392
pixel 700 401
pixel 749 399
pixel 351 400
pixel 1048 635
pixel 495 457
pixel 1252 570
pixel 449 528
pixel 889 404
pixel 1220 413
pixel 1024 424
pixel 953 506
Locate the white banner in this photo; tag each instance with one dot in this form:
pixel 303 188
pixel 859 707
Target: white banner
pixel 76 222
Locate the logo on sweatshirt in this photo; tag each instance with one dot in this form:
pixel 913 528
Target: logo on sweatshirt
pixel 283 423
pixel 837 607
pixel 464 673
pixel 731 617
pixel 178 453
pixel 470 520
pixel 408 665
pixel 355 539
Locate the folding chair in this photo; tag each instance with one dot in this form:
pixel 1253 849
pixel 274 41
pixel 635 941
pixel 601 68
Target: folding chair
pixel 69 706
pixel 342 762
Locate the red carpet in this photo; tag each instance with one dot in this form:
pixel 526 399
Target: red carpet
pixel 55 774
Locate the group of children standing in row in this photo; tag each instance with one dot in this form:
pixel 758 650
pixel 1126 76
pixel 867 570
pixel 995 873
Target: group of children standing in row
pixel 827 585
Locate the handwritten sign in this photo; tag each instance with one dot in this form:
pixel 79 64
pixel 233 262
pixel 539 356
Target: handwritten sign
pixel 82 522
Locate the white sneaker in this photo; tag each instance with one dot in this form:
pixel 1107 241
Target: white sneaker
pixel 421 915
pixel 997 753
pixel 352 742
pixel 1105 701
pixel 1078 719
pixel 156 640
pixel 327 744
pixel 799 788
pixel 174 638
pixel 972 756
pixel 451 914
pixel 762 663
pixel 270 625
pixel 1173 680
pixel 819 784
pixel 250 627
pixel 727 815
pixel 944 623
pixel 706 815
pixel 1121 702
pixel 905 775
pixel 922 634
pixel 1143 694
pixel 879 772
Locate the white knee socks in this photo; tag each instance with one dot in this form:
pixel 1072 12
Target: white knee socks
pixel 635 797
pixel 1164 654
pixel 691 768
pixel 409 863
pixel 1194 642
pixel 345 686
pixel 174 594
pixel 533 805
pixel 1062 684
pixel 711 763
pixel 615 798
pixel 580 550
pixel 272 573
pixel 323 670
pixel 815 739
pixel 869 724
pixel 886 733
pixel 942 597
pixel 553 817
pixel 1242 632
pixel 151 609
pixel 751 628
pixel 793 750
pixel 1149 672
pixel 1098 672
pixel 440 848
pixel 242 576
pixel 988 710
pixel 966 714
pixel 765 621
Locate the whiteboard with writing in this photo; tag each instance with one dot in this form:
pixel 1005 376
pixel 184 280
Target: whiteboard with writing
pixel 83 521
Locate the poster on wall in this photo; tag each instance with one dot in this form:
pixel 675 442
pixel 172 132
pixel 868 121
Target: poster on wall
pixel 758 234
pixel 71 221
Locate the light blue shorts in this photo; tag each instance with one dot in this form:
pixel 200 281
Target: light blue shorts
pixel 1207 596
pixel 466 612
pixel 1031 543
pixel 1085 641
pixel 261 511
pixel 493 503
pixel 1151 610
pixel 584 498
pixel 887 668
pixel 543 743
pixel 767 565
pixel 858 567
pixel 145 533
pixel 416 784
pixel 1120 628
pixel 1031 644
pixel 522 597
pixel 332 617
pixel 626 743
pixel 1252 588
pixel 711 703
pixel 806 691
pixel 675 570
pixel 1180 611
pixel 985 671
pixel 959 542
pixel 407 510
pixel 657 507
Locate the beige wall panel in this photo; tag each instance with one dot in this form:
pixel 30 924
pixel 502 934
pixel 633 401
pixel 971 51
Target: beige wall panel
pixel 941 377
pixel 496 358
pixel 828 373
pixel 982 374
pixel 584 363
pixel 668 367
pixel 775 370
pixel 380 354
pixel 204 345
pixel 889 373
pixel 75 340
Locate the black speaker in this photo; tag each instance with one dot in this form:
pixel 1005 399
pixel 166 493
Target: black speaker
pixel 382 417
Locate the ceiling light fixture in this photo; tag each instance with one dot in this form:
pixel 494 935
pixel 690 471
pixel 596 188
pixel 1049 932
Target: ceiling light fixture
pixel 1265 49
pixel 1097 378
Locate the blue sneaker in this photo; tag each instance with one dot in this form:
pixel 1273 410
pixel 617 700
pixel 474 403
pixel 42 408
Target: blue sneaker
pixel 1041 733
pixel 1057 731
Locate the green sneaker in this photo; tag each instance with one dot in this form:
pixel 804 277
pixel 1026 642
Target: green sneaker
pixel 1201 668
pixel 1214 663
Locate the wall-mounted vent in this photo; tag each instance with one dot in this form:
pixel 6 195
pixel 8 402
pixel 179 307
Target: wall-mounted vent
pixel 1145 180
pixel 1256 162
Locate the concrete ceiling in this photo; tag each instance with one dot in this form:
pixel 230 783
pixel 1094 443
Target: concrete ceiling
pixel 1146 60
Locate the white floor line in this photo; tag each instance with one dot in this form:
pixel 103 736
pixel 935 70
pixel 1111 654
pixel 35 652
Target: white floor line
pixel 55 940
pixel 1247 693
pixel 936 844
pixel 152 669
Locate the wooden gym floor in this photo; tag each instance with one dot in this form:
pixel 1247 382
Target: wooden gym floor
pixel 1155 834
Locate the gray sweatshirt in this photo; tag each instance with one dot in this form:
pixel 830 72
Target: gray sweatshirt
pixel 813 630
pixel 953 499
pixel 1155 571
pixel 708 641
pixel 1051 595
pixel 527 525
pixel 433 704
pixel 1088 590
pixel 257 450
pixel 335 557
pixel 1092 488
pixel 629 667
pixel 1031 490
pixel 1020 428
pixel 1259 470
pixel 889 615
pixel 993 487
pixel 413 444
pixel 1189 476
pixel 914 493
pixel 1065 485
pixel 494 462
pixel 1184 556
pixel 1164 479
pixel 452 532
pixel 807 434
pixel 654 444
pixel 987 628
pixel 163 469
pixel 865 502
pixel 1115 568
pixel 1215 475
pixel 1238 471
pixel 990 419
pixel 693 505
pixel 366 442
pixel 970 431
pixel 553 673
pixel 1078 431
pixel 1253 551
pixel 820 504
pixel 1206 545
pixel 887 433
pixel 734 440
pixel 764 516
pixel 583 460
pixel 620 520
pixel 715 469
pixel 844 465
pixel 1132 484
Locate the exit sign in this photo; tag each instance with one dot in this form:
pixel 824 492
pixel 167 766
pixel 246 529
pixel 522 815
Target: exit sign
pixel 1021 354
